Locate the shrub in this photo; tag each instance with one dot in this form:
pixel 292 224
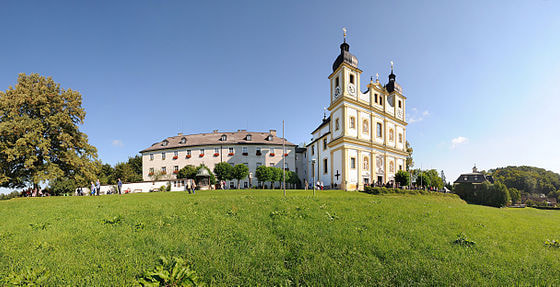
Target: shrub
pixel 463 240
pixel 385 190
pixel 496 195
pixel 174 272
pixel 402 177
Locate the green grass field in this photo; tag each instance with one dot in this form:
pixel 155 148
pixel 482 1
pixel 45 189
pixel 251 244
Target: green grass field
pixel 261 238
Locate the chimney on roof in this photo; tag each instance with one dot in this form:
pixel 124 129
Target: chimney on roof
pixel 179 134
pixel 273 132
pixel 215 131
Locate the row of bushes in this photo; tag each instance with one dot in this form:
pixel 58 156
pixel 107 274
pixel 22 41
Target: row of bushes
pixel 386 190
pixel 496 195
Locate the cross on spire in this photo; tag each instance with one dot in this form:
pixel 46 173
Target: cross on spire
pixel 344 31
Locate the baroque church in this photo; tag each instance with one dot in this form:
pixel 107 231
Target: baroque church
pixel 363 141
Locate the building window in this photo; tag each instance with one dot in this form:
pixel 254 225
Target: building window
pixel 391 137
pixel 152 157
pixel 224 138
pixel 391 167
pixel 189 152
pixel 366 163
pixel 324 144
pixel 163 156
pixel 365 127
pixel 151 170
pixel 271 164
pixel 245 150
pixel 400 138
pixel 352 162
pixel 400 104
pixel 231 186
pixel 245 184
pixel 216 150
pixel 351 79
pixel 376 98
pixel 336 125
pixel 230 150
pixel 381 100
pixel 176 169
pixel 379 130
pixel 272 151
pixel 312 150
pixel 269 138
pixel 337 82
pixel 164 143
pixel 325 169
pixel 249 137
pixel 400 166
pixel 183 141
pixel 258 151
pixel 286 166
pixel 163 170
pixel 352 122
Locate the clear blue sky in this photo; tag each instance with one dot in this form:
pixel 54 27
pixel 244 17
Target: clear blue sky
pixel 481 77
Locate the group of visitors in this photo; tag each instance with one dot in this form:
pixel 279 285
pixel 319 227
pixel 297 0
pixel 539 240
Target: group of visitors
pixel 95 188
pixel 190 186
pixel 35 192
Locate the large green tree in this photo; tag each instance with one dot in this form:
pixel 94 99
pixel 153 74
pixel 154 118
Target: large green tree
pixel 240 171
pixel 402 177
pixel 39 135
pixel 188 171
pixel 223 171
pixel 263 174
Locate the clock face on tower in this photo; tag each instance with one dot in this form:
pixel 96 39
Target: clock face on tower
pixel 337 92
pixel 352 89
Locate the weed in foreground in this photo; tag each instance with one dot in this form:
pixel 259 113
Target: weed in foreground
pixel 463 240
pixel 552 243
pixel 170 272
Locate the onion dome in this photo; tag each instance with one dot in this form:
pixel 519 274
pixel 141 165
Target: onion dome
pixel 345 57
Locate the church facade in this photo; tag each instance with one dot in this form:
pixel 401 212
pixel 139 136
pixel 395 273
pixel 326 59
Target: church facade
pixel 363 141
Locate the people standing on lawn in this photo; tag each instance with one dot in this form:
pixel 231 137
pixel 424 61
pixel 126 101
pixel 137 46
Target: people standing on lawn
pixel 188 186
pixel 193 186
pixel 97 187
pixel 119 186
pixel 305 184
pixel 92 188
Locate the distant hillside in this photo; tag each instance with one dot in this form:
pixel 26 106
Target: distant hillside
pixel 528 179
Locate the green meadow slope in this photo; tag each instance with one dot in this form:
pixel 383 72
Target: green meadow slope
pixel 261 238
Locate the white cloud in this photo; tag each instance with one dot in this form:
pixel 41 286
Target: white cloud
pixel 414 116
pixel 458 140
pixel 117 143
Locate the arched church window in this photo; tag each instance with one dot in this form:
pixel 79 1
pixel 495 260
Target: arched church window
pixel 379 130
pixel 400 138
pixel 365 127
pixel 352 122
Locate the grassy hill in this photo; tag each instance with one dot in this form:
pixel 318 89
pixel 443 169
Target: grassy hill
pixel 260 238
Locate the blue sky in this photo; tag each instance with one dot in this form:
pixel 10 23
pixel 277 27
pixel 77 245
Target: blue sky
pixel 481 77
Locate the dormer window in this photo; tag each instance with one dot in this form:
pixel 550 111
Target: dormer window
pixel 248 137
pixel 224 138
pixel 164 143
pixel 269 138
pixel 183 141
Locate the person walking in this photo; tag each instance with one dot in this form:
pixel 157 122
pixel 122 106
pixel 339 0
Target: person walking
pixel 189 184
pixel 97 187
pixel 306 184
pixel 92 188
pixel 193 186
pixel 119 186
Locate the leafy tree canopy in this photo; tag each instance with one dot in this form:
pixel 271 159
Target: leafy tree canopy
pixel 39 135
pixel 527 179
pixel 223 171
